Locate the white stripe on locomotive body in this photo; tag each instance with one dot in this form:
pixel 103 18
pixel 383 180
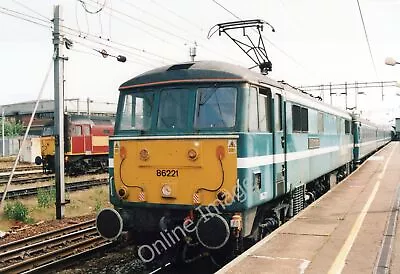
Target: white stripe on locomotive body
pixel 371 142
pixel 249 162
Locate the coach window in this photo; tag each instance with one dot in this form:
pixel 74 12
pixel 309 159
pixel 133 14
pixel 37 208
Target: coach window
pixel 320 122
pixel 347 127
pixel 264 106
pixel 278 112
pixel 253 111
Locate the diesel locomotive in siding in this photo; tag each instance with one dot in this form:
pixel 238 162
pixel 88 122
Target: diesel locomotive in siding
pixel 208 156
pixel 85 144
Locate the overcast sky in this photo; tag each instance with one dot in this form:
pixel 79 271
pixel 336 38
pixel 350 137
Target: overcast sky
pixel 316 42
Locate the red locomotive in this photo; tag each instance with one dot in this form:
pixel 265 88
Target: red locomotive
pixel 85 144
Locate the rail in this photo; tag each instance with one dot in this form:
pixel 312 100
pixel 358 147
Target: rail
pixel 52 248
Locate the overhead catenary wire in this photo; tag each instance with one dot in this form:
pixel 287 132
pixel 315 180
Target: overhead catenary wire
pixel 177 15
pixel 134 58
pixel 366 37
pixel 26 17
pixel 32 10
pixel 88 36
pixel 187 32
pixel 22 16
pixel 104 44
pixel 145 23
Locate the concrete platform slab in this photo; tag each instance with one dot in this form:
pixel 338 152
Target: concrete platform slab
pixel 342 232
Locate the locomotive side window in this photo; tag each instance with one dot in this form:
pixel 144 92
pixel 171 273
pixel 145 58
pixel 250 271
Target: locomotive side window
pixel 346 127
pixel 339 122
pixel 300 119
pixel 173 111
pixel 264 106
pixel 137 110
pixel 320 122
pixel 278 112
pixel 296 110
pixel 253 111
pixel 215 107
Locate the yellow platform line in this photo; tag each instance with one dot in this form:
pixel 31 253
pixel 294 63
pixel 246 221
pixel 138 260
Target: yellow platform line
pixel 340 259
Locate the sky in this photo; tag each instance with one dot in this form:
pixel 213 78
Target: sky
pixel 315 42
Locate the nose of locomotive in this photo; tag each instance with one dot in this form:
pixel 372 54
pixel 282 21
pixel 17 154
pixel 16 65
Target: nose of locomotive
pixel 109 223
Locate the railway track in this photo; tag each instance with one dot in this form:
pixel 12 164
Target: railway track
pixel 21 168
pixel 22 179
pixel 44 251
pixel 74 186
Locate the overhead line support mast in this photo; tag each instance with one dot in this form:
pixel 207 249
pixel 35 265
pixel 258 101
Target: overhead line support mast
pixel 59 112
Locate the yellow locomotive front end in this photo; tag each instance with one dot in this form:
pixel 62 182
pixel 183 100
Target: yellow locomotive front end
pixel 173 161
pixel 176 171
pixel 47 149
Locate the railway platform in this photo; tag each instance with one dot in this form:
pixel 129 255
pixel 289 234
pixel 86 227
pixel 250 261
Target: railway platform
pixel 351 229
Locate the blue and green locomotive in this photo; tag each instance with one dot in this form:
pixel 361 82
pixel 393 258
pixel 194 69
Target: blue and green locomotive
pixel 209 155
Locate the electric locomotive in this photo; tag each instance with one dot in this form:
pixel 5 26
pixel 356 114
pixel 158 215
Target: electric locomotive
pixel 209 157
pixel 85 144
pixel 213 156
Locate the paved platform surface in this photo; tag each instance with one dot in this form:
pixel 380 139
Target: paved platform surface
pixel 351 229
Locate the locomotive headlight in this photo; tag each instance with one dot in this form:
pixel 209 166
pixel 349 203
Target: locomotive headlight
pixel 123 193
pixel 192 154
pixel 166 190
pixel 144 154
pixel 122 152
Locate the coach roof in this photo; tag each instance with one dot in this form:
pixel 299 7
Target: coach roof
pixel 201 71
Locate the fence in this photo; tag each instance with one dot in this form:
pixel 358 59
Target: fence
pixel 12 145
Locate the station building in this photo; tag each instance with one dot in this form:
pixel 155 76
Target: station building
pixel 22 112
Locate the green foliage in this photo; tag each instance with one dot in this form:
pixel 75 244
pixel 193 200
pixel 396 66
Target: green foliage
pixel 16 211
pixel 12 128
pixel 98 206
pixel 46 197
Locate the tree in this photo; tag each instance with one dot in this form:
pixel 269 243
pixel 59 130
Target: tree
pixel 12 128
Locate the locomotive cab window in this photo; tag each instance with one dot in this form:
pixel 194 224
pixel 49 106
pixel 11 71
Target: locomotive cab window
pixel 48 131
pixel 137 111
pixel 215 107
pixel 300 119
pixel 173 109
pixel 86 130
pixel 76 131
